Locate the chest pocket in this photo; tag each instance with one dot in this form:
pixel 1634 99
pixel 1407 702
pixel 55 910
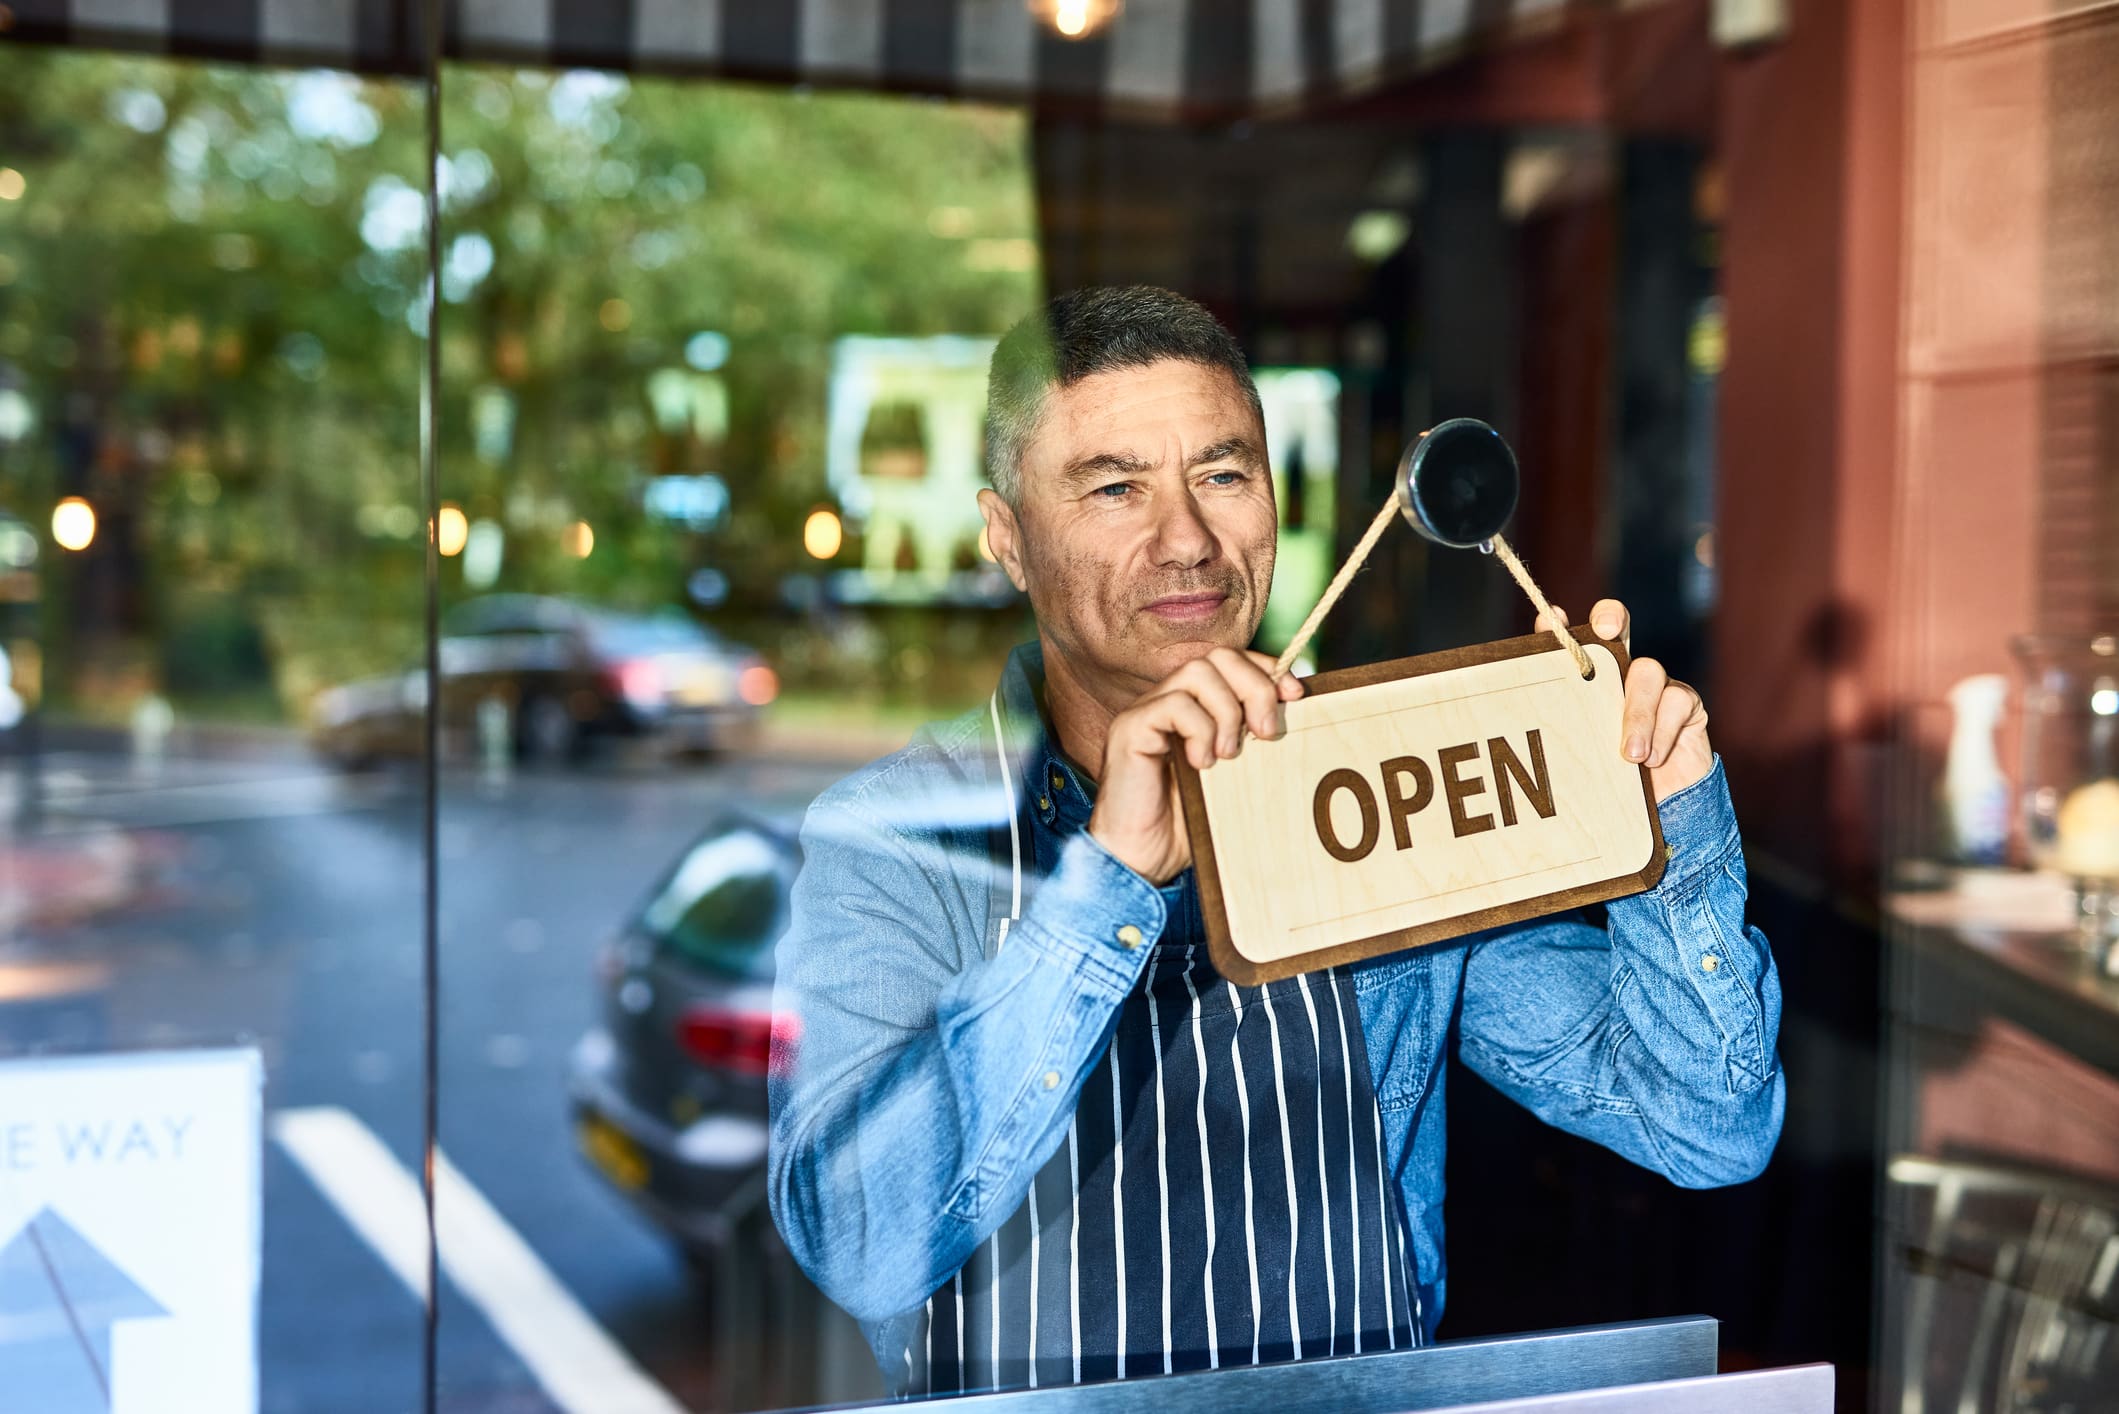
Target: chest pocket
pixel 1409 999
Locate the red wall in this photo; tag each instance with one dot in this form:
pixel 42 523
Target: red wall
pixel 1808 133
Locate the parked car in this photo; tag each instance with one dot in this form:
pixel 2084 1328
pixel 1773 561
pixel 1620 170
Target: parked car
pixel 667 1094
pixel 560 675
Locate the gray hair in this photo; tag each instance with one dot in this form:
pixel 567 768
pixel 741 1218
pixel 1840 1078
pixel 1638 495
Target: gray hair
pixel 1084 333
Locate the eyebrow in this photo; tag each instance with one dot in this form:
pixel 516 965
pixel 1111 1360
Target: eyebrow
pixel 1084 470
pixel 1229 449
pixel 1101 464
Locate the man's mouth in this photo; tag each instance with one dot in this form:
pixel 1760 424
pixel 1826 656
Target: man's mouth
pixel 1188 608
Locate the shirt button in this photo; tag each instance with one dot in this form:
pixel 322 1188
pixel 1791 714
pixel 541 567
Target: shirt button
pixel 1052 1080
pixel 1709 962
pixel 1059 782
pixel 1043 803
pixel 1129 937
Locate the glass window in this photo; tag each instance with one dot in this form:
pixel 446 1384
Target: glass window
pixel 211 581
pixel 667 308
pixel 297 935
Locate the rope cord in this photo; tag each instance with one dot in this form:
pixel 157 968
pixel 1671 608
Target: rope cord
pixel 1337 587
pixel 1558 625
pixel 1360 555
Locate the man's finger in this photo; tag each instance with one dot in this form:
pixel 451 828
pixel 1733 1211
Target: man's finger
pixel 1644 690
pixel 1254 685
pixel 1673 710
pixel 1289 686
pixel 1214 692
pixel 1544 623
pixel 1168 716
pixel 1611 621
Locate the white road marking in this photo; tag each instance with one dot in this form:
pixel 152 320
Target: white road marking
pixel 576 1362
pixel 353 1169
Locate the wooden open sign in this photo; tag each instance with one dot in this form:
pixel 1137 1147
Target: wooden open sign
pixel 1418 800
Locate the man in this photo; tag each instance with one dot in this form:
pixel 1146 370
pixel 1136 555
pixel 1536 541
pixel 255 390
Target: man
pixel 1027 1135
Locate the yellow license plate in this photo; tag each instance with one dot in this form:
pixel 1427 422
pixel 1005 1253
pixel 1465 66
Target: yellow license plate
pixel 703 687
pixel 611 1151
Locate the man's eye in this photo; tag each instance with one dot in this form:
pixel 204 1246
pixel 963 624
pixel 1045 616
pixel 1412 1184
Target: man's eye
pixel 1114 491
pixel 1226 478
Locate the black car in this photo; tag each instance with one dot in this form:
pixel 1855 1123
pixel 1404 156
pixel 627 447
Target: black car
pixel 559 675
pixel 668 1093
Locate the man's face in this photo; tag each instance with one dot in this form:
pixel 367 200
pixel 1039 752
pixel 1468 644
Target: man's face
pixel 1145 524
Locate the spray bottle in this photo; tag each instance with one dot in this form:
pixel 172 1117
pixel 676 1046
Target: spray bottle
pixel 1975 794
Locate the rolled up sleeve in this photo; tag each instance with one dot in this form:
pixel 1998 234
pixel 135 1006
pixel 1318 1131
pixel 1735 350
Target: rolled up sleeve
pixel 932 1080
pixel 1657 1034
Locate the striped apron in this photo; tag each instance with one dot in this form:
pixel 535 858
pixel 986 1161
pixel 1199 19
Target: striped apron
pixel 1222 1197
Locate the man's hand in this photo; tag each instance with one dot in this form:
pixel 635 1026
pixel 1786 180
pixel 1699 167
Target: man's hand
pixel 1203 709
pixel 1665 723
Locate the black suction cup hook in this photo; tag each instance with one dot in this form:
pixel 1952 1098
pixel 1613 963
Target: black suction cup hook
pixel 1457 485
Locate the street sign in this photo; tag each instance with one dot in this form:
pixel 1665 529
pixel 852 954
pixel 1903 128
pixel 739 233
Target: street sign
pixel 1419 800
pixel 129 1233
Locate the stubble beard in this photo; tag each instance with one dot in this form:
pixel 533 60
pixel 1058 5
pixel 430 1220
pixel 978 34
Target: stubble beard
pixel 1114 635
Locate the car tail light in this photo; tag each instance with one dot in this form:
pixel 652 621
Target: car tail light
pixel 758 685
pixel 747 1042
pixel 638 681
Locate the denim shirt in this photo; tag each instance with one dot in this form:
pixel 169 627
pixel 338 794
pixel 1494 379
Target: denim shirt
pixel 951 993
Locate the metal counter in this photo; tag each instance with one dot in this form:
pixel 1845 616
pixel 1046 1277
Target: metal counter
pixel 1645 1367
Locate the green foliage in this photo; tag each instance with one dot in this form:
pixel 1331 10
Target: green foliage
pixel 212 289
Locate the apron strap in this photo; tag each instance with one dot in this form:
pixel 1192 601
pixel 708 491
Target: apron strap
pixel 1009 841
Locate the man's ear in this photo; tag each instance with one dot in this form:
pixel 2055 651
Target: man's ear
pixel 1004 536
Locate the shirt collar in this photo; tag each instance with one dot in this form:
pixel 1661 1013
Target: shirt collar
pixel 1059 792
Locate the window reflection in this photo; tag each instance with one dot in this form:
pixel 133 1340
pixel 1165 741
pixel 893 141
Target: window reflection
pixel 720 910
pixel 209 937
pixel 658 644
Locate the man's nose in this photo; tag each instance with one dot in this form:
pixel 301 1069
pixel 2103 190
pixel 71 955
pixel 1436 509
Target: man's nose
pixel 1182 537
